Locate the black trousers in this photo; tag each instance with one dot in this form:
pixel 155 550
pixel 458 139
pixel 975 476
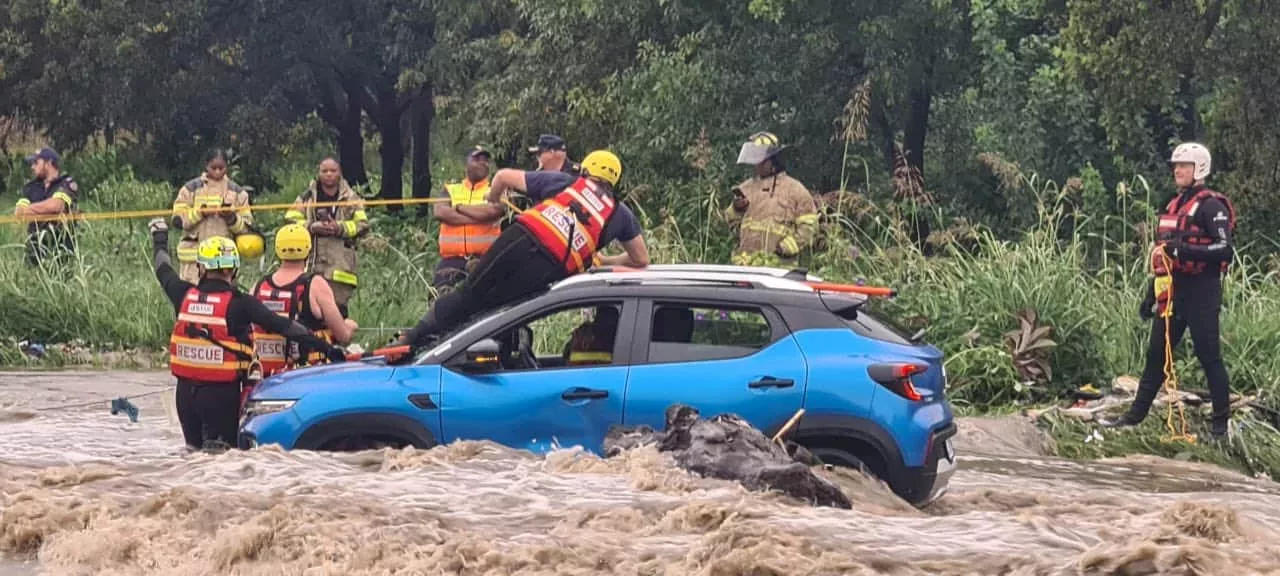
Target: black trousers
pixel 1197 305
pixel 449 272
pixel 514 268
pixel 208 411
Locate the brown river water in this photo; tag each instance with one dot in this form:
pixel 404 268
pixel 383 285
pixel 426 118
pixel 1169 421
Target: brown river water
pixel 85 492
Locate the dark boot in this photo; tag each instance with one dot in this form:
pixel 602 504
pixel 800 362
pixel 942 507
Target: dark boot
pixel 1124 421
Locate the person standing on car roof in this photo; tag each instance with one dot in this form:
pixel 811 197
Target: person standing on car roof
pixel 49 193
pixel 1195 233
pixel 464 238
pixel 778 215
pixel 559 237
pixel 334 229
pixel 301 296
pixel 210 347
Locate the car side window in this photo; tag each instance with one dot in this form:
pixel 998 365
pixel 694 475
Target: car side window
pixel 577 336
pixel 690 333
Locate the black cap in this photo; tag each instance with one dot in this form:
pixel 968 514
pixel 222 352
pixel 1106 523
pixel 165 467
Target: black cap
pixel 43 154
pixel 548 142
pixel 479 151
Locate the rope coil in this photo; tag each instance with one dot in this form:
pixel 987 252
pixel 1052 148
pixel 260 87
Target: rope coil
pixel 1180 433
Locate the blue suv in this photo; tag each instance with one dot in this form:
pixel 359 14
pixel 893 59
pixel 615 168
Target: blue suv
pixel 615 347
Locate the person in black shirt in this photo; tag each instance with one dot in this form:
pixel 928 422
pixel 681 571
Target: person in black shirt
pixel 50 193
pixel 211 348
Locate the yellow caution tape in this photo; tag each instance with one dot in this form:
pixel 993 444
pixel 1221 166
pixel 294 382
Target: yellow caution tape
pixel 127 214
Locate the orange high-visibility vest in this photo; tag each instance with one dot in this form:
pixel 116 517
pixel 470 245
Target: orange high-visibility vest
pixel 200 347
pixel 579 211
pixel 275 352
pixel 468 239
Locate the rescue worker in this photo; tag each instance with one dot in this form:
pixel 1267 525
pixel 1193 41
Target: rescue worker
pixel 334 229
pixel 213 190
pixel 464 238
pixel 778 215
pixel 552 155
pixel 301 296
pixel 49 193
pixel 592 342
pixel 574 217
pixel 210 348
pixel 1195 232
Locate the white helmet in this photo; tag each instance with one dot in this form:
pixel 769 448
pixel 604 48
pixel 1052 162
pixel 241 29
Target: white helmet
pixel 1194 154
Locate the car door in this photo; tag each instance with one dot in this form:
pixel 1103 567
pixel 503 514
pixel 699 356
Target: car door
pixel 717 357
pixel 548 405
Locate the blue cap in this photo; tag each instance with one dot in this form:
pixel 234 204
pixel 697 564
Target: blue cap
pixel 479 151
pixel 44 154
pixel 548 142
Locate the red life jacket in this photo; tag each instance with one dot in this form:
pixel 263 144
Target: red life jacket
pixel 275 352
pixel 580 212
pixel 200 347
pixel 1178 222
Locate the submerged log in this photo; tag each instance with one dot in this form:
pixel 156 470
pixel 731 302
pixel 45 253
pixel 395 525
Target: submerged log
pixel 728 448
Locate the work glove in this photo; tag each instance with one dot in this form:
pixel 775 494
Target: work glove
pixel 788 247
pixel 1147 309
pixel 324 228
pixel 229 215
pixel 159 232
pixel 337 355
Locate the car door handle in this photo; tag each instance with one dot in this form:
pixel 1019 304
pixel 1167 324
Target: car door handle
pixel 771 382
pixel 584 394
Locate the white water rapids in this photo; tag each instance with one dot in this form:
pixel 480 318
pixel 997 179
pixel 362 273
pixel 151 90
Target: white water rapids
pixel 85 492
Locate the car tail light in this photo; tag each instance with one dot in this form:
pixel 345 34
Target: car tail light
pixel 897 378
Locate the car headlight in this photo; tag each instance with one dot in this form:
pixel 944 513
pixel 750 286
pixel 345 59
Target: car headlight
pixel 254 408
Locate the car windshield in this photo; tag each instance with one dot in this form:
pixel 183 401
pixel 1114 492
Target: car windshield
pixel 446 343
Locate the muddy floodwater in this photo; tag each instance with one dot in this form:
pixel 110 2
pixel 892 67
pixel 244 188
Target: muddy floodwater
pixel 86 492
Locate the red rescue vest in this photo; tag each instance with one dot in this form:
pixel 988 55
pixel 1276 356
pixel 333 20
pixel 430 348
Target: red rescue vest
pixel 1178 222
pixel 579 212
pixel 200 347
pixel 275 352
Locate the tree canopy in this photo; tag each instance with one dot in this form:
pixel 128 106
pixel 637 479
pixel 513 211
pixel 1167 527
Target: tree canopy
pixel 964 93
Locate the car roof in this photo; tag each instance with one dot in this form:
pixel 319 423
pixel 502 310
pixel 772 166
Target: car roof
pixel 714 282
pixel 797 280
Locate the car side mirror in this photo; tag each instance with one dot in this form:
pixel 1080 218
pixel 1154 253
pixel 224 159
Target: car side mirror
pixel 482 357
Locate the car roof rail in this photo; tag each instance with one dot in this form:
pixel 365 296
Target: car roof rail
pixel 670 277
pixel 730 276
pixel 797 274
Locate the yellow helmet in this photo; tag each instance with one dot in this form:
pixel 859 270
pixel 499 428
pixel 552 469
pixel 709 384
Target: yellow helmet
pixel 293 242
pixel 251 245
pixel 604 165
pixel 218 253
